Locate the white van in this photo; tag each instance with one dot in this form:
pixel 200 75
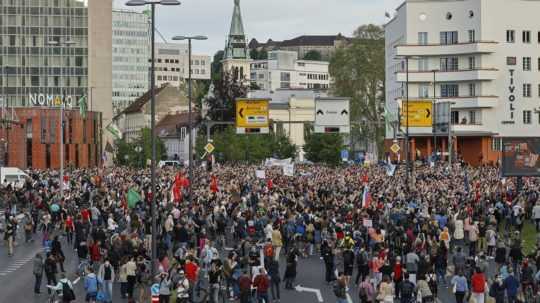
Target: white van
pixel 13 176
pixel 169 163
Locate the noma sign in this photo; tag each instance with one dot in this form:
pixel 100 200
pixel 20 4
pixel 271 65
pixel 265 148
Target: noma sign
pixel 51 100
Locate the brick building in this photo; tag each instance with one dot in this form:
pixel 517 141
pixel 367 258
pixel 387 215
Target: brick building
pixel 33 141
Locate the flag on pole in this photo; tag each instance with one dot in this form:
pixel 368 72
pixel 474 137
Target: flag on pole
pixel 366 197
pixel 83 106
pixel 133 198
pixel 269 184
pixel 214 185
pixel 114 130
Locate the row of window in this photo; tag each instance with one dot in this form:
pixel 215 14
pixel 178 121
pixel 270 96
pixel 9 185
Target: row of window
pixel 316 76
pixel 526 62
pixel 472 117
pixel 525 36
pixel 43 81
pixel 447 37
pixel 176 61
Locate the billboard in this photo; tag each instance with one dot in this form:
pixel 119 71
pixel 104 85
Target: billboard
pixel 420 113
pixel 252 116
pixel 332 115
pixel 520 156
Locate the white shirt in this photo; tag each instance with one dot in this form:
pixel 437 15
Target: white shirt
pixel 536 211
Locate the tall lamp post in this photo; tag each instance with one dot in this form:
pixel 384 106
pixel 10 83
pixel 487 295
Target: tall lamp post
pixel 433 113
pixel 190 130
pixel 66 43
pixel 407 151
pixel 153 4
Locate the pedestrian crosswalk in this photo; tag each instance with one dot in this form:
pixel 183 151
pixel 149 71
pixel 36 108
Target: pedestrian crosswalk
pixel 14 266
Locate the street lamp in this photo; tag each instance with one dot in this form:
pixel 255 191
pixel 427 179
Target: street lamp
pixel 433 112
pixel 66 43
pixel 138 149
pixel 450 134
pixel 153 4
pixel 190 151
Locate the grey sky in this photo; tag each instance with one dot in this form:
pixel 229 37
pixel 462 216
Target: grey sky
pixel 263 19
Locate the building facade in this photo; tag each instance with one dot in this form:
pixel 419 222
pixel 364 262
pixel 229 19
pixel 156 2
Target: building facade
pixel 325 45
pixel 32 140
pixel 131 50
pixel 283 70
pixel 478 61
pixel 236 57
pixel 173 130
pixel 172 64
pixel 54 52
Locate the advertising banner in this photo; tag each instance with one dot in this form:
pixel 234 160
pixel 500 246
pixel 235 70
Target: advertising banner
pixel 521 156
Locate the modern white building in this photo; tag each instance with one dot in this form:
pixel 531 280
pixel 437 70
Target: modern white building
pixel 283 70
pixel 480 56
pixel 172 64
pixel 131 51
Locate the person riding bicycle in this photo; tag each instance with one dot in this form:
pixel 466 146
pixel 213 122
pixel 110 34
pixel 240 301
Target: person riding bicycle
pixel 182 288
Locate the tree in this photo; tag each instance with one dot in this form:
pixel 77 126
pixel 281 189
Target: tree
pixel 358 71
pixel 126 154
pixel 251 148
pixel 226 90
pixel 258 55
pixel 313 55
pixel 323 148
pixel 217 66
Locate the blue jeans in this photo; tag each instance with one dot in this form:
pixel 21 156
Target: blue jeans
pixel 262 297
pixel 339 300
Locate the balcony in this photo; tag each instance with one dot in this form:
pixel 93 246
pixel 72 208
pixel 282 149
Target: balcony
pixel 479 47
pixel 465 75
pixel 461 102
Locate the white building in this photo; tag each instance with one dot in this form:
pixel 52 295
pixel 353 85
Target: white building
pixel 485 58
pixel 172 64
pixel 283 70
pixel 130 42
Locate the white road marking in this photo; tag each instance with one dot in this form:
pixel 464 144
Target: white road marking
pixel 316 291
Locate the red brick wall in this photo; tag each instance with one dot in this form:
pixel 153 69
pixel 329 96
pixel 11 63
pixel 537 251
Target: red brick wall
pixel 16 138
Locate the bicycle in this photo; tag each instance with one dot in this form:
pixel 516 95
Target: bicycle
pixel 54 295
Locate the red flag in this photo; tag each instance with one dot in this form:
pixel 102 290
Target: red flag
pixel 214 184
pixel 176 188
pixel 269 184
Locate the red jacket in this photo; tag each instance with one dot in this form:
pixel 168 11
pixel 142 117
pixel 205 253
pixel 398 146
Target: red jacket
pixel 95 253
pixel 262 283
pixel 478 283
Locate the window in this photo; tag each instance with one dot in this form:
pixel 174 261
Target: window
pixel 449 90
pixel 423 91
pixel 35 80
pixel 473 118
pixel 472 63
pixel 538 90
pixel 472 89
pixel 527 117
pixel 159 78
pixel 526 63
pixel 12 40
pixel 511 61
pixel 449 64
pixel 538 37
pixel 422 38
pixel 496 144
pixel 472 35
pixel 449 37
pixel 423 64
pixel 510 36
pixel 526 90
pixel 538 63
pixel 454 117
pixel 526 36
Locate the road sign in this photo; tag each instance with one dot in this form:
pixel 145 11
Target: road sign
pixel 344 155
pixel 209 148
pixel 420 114
pixel 332 115
pixel 395 148
pixel 252 116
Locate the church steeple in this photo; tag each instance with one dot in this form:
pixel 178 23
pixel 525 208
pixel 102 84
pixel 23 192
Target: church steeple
pixel 236 47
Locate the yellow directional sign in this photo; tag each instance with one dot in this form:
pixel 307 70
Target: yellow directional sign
pixel 209 148
pixel 252 113
pixel 395 148
pixel 420 114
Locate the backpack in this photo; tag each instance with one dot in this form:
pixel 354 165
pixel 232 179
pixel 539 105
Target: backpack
pixel 339 291
pixel 269 250
pixel 67 292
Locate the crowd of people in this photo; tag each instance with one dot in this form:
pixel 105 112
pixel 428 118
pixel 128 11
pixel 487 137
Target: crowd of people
pixel 234 235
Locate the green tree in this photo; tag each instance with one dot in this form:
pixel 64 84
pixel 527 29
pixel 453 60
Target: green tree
pixel 217 66
pixel 258 54
pixel 127 155
pixel 221 104
pixel 313 55
pixel 324 148
pixel 251 148
pixel 358 72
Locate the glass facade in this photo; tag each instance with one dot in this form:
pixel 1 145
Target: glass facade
pixel 31 67
pixel 130 54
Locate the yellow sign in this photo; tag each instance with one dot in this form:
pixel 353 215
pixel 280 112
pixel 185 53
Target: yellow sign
pixel 251 113
pixel 420 114
pixel 209 148
pixel 395 148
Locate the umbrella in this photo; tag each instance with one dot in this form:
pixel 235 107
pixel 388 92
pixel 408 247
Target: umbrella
pixel 55 207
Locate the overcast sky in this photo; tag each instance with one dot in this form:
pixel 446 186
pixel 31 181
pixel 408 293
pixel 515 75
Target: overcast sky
pixel 264 19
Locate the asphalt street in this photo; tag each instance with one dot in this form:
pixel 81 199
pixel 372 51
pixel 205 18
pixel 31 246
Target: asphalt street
pixel 16 278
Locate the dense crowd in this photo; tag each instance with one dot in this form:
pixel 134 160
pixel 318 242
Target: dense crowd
pixel 237 236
